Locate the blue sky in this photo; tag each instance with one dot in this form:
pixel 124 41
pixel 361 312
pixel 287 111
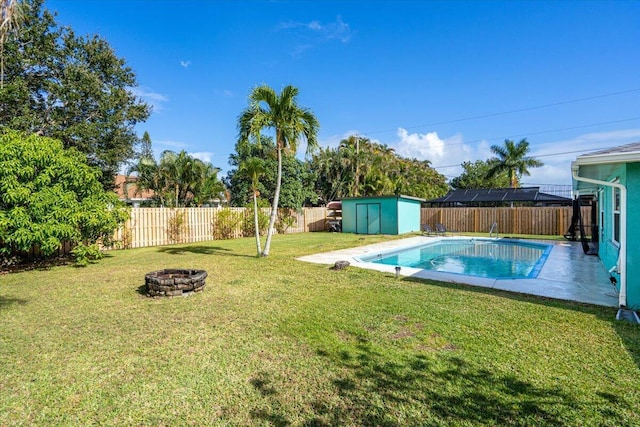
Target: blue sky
pixel 439 81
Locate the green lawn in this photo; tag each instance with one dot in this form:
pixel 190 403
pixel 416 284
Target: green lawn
pixel 275 341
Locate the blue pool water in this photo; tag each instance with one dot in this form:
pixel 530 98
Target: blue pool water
pixel 495 259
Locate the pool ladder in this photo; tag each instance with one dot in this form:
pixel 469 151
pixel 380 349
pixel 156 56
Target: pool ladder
pixel 494 229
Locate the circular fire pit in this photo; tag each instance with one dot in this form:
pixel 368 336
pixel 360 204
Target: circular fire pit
pixel 174 282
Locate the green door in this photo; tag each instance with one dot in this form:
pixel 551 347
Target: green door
pixel 368 218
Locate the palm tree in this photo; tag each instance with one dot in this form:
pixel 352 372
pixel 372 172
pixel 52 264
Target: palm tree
pixel 149 177
pixel 253 168
pixel 512 159
pixel 350 150
pixel 290 122
pixel 178 178
pixel 207 184
pixel 182 175
pixel 11 16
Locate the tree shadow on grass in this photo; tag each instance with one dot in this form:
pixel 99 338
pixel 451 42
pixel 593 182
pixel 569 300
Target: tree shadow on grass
pixel 274 415
pixel 628 333
pixel 199 249
pixel 6 302
pixel 36 264
pixel 422 389
pixel 419 389
pixel 142 290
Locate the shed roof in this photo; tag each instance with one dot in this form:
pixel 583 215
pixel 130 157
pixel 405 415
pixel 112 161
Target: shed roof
pixel 496 195
pixel 401 196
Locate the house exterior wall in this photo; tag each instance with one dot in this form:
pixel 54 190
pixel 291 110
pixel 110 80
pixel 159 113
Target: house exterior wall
pixel 629 176
pixel 397 215
pixel 633 235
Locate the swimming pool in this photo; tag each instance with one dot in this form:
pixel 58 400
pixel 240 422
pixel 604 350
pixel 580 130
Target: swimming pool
pixel 495 259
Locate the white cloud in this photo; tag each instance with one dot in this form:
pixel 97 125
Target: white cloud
pixel 337 30
pixel 552 173
pixel 421 146
pixel 185 64
pixel 155 99
pixel 315 32
pixel 314 25
pixel 205 156
pixel 558 155
pixel 334 140
pixel 587 142
pixel 225 93
pixel 446 155
pixel 170 145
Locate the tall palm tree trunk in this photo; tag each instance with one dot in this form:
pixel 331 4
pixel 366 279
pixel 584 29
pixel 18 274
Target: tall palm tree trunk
pixel 274 208
pixel 255 222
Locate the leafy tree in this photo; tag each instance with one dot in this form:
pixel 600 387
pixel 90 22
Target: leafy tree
pixel 359 167
pixel 297 184
pixel 49 194
pixel 330 180
pixel 11 16
pixel 254 168
pixel 290 122
pixel 71 88
pixel 146 150
pixel 149 176
pixel 512 160
pixel 476 176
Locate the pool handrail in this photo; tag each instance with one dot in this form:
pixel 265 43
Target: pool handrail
pixel 494 226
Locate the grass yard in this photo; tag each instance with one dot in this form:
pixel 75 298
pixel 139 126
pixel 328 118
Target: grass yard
pixel 276 341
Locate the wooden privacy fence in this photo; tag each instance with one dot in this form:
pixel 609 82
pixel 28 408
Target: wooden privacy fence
pixel 165 226
pixel 550 221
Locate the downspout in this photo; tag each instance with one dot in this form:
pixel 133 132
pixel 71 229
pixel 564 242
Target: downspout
pixel 621 263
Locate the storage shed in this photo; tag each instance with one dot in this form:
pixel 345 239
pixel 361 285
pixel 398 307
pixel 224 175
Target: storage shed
pixel 381 214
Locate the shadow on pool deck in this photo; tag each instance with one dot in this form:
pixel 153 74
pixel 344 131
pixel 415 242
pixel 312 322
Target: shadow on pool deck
pixel 568 274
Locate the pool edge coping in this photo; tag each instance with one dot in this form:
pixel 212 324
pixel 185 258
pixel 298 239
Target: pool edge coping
pixel 502 284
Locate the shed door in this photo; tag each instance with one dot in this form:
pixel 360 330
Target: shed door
pixel 368 218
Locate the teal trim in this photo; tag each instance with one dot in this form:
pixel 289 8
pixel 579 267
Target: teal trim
pixel 545 255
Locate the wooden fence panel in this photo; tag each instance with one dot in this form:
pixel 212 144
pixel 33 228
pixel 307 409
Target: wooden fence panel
pixel 153 226
pixel 315 219
pixel 551 221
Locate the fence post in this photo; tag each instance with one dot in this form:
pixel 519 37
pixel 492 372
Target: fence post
pixel 476 214
pixel 304 220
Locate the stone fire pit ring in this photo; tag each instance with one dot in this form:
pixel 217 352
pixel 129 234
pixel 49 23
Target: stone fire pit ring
pixel 174 282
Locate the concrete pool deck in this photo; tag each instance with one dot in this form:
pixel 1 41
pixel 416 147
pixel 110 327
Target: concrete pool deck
pixel 568 274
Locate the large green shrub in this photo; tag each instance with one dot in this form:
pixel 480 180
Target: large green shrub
pixel 249 225
pixel 225 224
pixel 49 195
